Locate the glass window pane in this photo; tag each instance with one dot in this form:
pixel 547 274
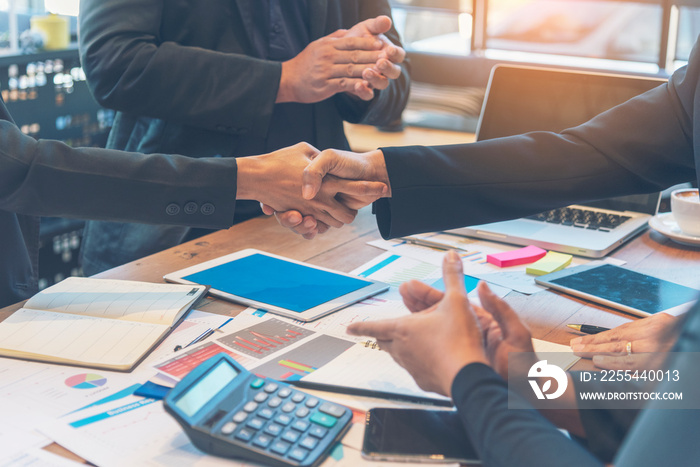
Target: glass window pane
pixel 688 31
pixel 597 29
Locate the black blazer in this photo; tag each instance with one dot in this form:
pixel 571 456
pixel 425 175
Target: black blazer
pixel 644 145
pixel 184 77
pixel 49 178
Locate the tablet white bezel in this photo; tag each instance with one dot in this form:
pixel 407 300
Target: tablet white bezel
pixel 311 314
pixel 546 281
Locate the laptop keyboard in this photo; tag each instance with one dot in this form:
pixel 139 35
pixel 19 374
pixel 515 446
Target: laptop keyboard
pixel 582 218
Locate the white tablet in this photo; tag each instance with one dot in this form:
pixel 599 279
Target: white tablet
pixel 277 284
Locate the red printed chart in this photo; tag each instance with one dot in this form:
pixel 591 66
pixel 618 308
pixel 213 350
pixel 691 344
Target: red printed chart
pixel 86 381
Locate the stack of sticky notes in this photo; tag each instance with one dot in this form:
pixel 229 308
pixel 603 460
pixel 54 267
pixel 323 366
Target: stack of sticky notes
pixel 526 255
pixel 551 262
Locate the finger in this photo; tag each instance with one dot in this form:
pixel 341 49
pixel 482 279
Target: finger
pixel 626 362
pixel 291 219
pixel 316 170
pixel 367 43
pixel 607 348
pixel 363 90
pixel 375 80
pixel 452 274
pixel 353 202
pixel 338 33
pixel 376 26
pixel 616 334
pixel 418 296
pixel 392 52
pixel 388 69
pixel 353 62
pixel 307 227
pixel 322 227
pixel 267 210
pixel 383 330
pixel 359 188
pixel 507 319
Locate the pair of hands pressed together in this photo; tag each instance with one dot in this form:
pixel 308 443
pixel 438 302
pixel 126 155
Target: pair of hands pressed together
pixel 355 61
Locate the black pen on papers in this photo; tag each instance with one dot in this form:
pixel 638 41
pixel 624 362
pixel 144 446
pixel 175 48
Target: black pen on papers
pixel 587 328
pixel 203 336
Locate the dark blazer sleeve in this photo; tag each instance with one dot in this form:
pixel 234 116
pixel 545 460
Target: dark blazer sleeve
pixel 387 105
pixel 505 436
pixel 641 146
pixel 132 67
pixel 49 178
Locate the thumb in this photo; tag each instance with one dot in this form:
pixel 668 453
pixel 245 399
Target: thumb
pixel 378 25
pixel 453 274
pixel 507 319
pixel 315 171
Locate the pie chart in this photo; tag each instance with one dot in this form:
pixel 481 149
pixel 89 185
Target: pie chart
pixel 86 381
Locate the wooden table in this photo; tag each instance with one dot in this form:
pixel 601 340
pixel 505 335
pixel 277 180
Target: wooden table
pixel 344 249
pixel 546 312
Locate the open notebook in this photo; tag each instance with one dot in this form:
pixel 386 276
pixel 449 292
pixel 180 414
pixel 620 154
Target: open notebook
pixel 521 99
pixel 98 323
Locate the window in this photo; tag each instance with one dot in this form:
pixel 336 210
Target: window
pixel 652 36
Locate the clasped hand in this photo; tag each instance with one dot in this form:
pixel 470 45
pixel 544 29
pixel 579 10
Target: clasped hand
pixel 354 61
pixel 275 180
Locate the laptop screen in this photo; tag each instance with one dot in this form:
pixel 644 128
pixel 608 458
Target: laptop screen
pixel 522 99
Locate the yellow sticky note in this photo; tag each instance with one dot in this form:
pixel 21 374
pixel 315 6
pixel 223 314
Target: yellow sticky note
pixel 551 262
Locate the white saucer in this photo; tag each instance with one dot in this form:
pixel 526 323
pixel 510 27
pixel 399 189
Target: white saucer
pixel 665 224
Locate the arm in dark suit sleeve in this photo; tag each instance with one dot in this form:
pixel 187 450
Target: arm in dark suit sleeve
pixel 131 68
pixel 50 178
pixel 641 146
pixel 506 436
pixel 387 104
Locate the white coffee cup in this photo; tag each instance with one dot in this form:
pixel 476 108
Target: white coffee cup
pixel 685 205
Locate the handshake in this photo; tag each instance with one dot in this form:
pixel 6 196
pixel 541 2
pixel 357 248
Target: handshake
pixel 310 191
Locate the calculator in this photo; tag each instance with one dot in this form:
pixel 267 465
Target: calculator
pixel 228 411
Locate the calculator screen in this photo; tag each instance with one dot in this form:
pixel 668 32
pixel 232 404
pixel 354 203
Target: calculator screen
pixel 207 387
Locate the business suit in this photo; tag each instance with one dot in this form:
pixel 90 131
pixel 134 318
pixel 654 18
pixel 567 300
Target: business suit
pixel 186 78
pixel 647 144
pixel 49 178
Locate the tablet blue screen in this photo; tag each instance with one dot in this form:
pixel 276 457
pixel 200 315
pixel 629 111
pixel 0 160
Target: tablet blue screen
pixel 277 282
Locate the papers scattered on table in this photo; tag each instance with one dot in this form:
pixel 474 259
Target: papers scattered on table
pixel 430 248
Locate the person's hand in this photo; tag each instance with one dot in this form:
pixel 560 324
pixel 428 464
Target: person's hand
pixel 387 67
pixel 433 344
pixel 505 334
pixel 331 65
pixel 652 335
pixel 369 166
pixel 275 180
pixel 343 164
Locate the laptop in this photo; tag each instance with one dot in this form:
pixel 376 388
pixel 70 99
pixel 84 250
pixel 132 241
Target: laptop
pixel 520 99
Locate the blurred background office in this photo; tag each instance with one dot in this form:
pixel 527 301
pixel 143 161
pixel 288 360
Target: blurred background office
pixel 452 44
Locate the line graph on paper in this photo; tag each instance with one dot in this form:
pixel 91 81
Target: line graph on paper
pixel 264 338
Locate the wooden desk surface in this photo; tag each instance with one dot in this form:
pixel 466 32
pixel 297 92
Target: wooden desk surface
pixel 546 312
pixel 344 249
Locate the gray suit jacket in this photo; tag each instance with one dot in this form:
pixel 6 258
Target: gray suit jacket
pixel 49 178
pixel 644 145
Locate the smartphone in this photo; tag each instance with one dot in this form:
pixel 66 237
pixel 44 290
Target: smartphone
pixel 623 289
pixel 416 435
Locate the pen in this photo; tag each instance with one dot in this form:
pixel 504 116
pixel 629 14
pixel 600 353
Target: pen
pixel 587 328
pixel 431 244
pixel 203 336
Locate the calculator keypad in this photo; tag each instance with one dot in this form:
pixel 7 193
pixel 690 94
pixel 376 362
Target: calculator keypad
pixel 287 423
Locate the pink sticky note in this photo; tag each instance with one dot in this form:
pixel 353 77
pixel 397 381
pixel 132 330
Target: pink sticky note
pixel 529 254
